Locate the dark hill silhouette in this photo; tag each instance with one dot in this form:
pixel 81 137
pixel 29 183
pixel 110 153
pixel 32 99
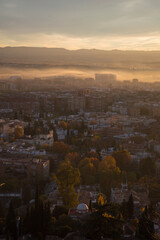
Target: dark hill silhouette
pixel 83 57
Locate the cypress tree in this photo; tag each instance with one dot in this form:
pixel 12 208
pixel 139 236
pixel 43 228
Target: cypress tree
pixel 124 209
pixel 130 207
pixel 11 222
pixel 146 226
pixel 90 205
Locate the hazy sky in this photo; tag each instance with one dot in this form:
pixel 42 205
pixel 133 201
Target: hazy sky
pixel 103 24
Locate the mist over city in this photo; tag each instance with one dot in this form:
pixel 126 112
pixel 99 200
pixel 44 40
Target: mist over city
pixel 33 62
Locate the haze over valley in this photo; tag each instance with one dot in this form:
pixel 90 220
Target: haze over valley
pixel 43 62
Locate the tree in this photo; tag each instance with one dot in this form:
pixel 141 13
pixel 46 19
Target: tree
pixel 146 226
pixel 90 205
pixel 95 162
pixel 124 209
pixel 123 159
pixel 59 210
pixel 101 224
pixel 19 132
pixel 152 211
pixel 96 141
pixel 101 200
pixel 2 219
pixel 47 147
pixel 147 167
pixel 92 154
pixel 130 207
pixel 26 193
pixel 110 178
pixel 74 158
pixel 60 147
pixel 1 211
pixel 87 170
pixel 84 162
pixel 109 175
pixel 55 134
pixel 64 220
pixel 67 178
pixel 62 231
pixel 107 163
pixel 63 124
pixel 11 222
pixel 36 215
pixel 46 219
pixel 88 173
pixel 131 177
pixel 69 136
pixel 38 219
pixel 28 130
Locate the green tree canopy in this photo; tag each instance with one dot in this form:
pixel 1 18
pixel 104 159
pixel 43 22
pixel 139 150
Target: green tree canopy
pixel 59 210
pixel 102 224
pixel 123 159
pixel 67 178
pixel 147 167
pixel 87 168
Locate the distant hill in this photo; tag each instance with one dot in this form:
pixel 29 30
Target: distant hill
pixel 51 57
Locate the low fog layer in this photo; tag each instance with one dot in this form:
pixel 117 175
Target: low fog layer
pixel 149 75
pixel 42 62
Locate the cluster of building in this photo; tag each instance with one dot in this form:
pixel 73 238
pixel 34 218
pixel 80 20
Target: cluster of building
pixel 119 116
pixel 125 114
pixel 21 166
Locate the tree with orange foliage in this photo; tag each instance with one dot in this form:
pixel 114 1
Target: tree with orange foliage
pixel 74 158
pixel 19 132
pixel 109 175
pixel 107 163
pixel 63 124
pixel 60 147
pixel 92 154
pixel 95 162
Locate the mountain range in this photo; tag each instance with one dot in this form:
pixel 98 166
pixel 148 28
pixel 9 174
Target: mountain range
pixel 87 58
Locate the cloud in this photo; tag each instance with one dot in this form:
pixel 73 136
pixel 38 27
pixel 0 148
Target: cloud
pixel 150 42
pixel 88 20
